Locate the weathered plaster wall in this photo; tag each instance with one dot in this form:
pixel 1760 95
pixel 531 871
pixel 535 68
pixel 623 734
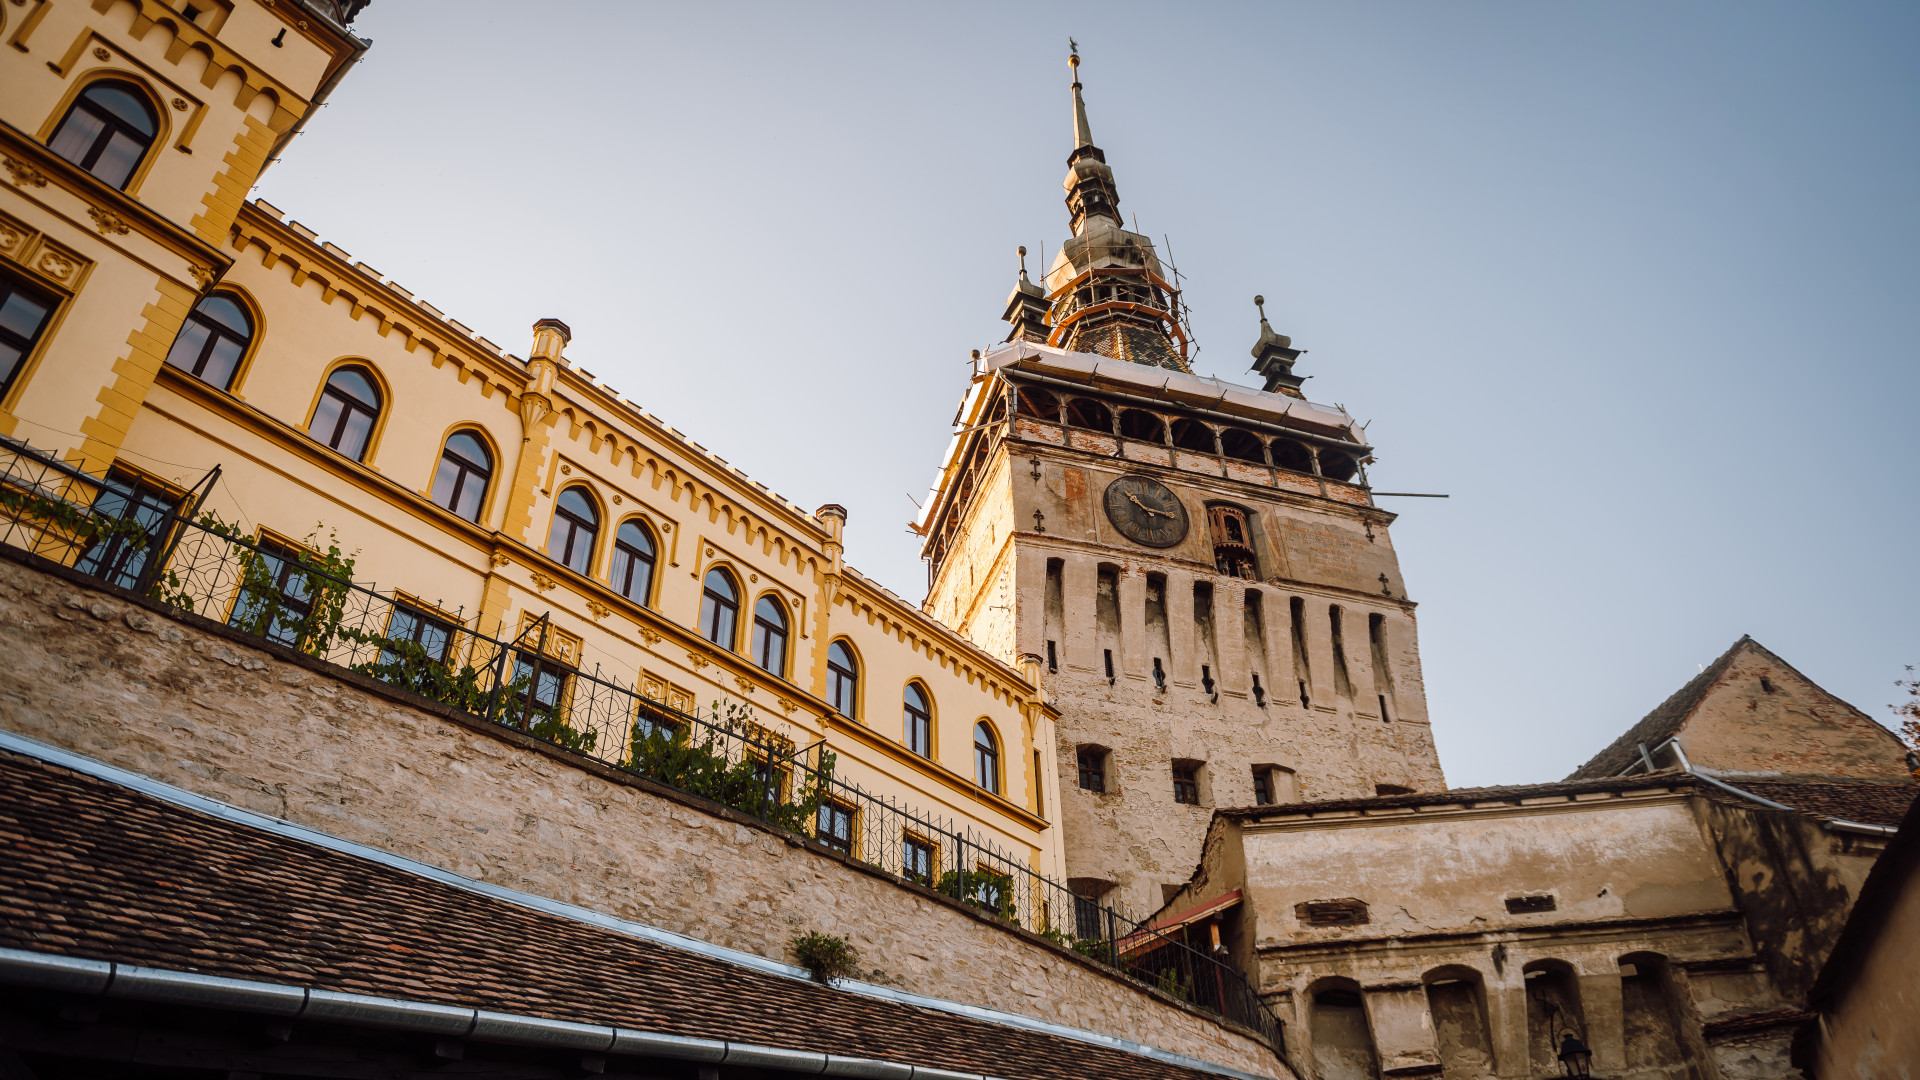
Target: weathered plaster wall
pixel 1870 1032
pixel 189 706
pixel 1676 916
pixel 1602 857
pixel 1795 882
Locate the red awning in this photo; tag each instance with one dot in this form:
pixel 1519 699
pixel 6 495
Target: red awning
pixel 1167 927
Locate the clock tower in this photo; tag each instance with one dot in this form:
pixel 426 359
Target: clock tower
pixel 1196 568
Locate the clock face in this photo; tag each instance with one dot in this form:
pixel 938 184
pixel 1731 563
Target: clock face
pixel 1146 511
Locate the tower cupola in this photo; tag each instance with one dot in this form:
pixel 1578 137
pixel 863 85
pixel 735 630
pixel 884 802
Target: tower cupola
pixel 1273 356
pixel 1026 308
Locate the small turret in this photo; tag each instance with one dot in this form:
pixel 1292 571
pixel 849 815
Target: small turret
pixel 1026 308
pixel 1273 357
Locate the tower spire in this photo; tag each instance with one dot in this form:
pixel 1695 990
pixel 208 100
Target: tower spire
pixel 1108 292
pixel 1082 134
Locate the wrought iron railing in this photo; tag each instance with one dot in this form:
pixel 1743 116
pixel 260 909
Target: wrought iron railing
pixel 157 544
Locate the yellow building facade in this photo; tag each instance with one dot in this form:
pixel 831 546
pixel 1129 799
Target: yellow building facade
pixel 157 327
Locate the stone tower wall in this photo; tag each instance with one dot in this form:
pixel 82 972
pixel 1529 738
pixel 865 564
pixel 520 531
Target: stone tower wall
pixel 1316 553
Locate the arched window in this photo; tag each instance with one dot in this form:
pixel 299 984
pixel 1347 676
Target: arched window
pixel 919 721
pixel 23 314
pixel 632 572
pixel 719 608
pixel 461 481
pixel 770 635
pixel 986 757
pixel 843 679
pixel 107 131
pixel 213 340
pixel 348 407
pixel 576 525
pixel 1337 465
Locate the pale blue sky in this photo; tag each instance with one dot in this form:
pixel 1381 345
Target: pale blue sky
pixel 1635 283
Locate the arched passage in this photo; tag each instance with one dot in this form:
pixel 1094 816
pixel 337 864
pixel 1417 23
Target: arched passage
pixel 1342 1038
pixel 1553 1013
pixel 1457 1001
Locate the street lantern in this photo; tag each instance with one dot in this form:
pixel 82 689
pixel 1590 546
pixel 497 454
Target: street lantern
pixel 1574 1056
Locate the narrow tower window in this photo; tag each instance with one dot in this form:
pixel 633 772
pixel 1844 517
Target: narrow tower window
pixel 1342 684
pixel 1297 617
pixel 1382 679
pixel 1186 782
pixel 1093 769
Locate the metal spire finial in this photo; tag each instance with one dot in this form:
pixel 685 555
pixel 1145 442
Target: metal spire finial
pixel 1023 262
pixel 1082 134
pixel 1260 302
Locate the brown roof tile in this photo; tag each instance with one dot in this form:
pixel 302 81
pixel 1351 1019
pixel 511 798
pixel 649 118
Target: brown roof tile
pixel 94 870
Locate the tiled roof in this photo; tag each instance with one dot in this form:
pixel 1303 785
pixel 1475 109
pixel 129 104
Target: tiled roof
pixel 1862 801
pixel 99 871
pixel 1867 803
pixel 1448 796
pixel 1663 722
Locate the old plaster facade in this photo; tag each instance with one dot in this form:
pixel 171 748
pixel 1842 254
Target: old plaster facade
pixel 1670 913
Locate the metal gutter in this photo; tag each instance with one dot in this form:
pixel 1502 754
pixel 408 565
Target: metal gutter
pixel 33 748
pixel 65 973
pixel 1834 824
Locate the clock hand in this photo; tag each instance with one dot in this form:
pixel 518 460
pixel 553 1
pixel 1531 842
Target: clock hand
pixel 1135 500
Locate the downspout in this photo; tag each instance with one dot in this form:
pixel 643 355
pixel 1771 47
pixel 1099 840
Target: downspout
pixel 1833 824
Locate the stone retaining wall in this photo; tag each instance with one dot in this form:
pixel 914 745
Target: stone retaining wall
pixel 194 705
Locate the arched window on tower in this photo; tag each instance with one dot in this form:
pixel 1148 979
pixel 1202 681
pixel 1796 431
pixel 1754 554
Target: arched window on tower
pixel 107 131
pixel 1232 542
pixel 460 483
pixel 1143 426
pixel 1193 435
pixel 1337 465
pixel 213 340
pixel 575 528
pixel 349 405
pixel 1090 414
pixel 1288 454
pixel 770 635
